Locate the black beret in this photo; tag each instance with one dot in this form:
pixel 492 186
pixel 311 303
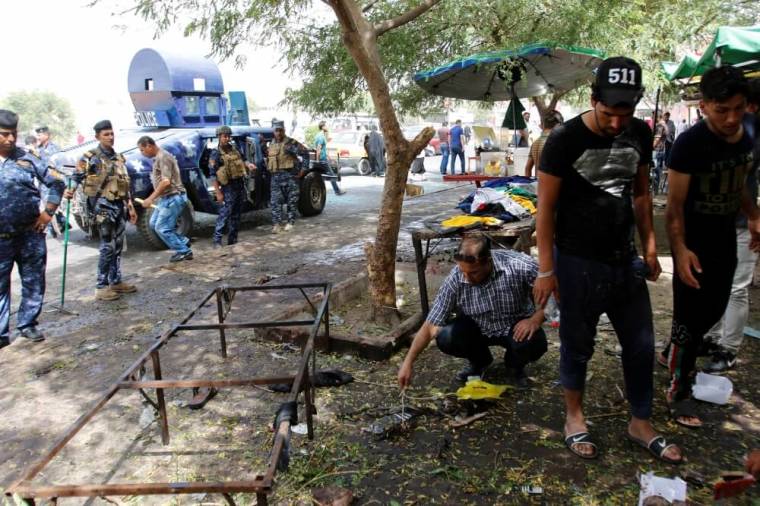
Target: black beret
pixel 224 129
pixel 278 124
pixel 42 129
pixel 8 119
pixel 102 125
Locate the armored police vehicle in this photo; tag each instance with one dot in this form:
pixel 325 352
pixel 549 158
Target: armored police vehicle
pixel 179 101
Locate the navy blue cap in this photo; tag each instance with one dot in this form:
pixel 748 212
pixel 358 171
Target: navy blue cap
pixel 8 119
pixel 102 125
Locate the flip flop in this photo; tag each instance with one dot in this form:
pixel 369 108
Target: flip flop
pixel 657 446
pixel 684 408
pixel 581 438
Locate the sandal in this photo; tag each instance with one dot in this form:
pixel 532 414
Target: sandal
pixel 581 438
pixel 201 396
pixel 684 409
pixel 657 446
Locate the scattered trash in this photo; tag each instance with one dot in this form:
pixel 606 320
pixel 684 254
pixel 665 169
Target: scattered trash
pixel 147 417
pixel 462 421
pixel 693 477
pixel 712 388
pixel 180 403
pixel 395 423
pixel 290 348
pixel 732 484
pixel 91 347
pixel 336 320
pixel 751 332
pixel 666 488
pixel 332 496
pixel 301 428
pixel 479 389
pixel 551 312
pixel 277 356
pixel 531 490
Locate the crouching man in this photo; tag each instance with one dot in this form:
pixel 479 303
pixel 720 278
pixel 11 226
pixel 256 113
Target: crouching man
pixel 491 293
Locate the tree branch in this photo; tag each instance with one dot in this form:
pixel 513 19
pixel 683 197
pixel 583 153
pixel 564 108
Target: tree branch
pixel 367 7
pixel 390 24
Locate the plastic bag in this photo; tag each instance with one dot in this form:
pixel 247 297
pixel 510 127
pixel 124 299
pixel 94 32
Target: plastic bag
pixel 479 389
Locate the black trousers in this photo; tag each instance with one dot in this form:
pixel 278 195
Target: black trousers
pixel 462 338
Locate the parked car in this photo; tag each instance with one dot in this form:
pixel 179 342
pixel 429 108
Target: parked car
pixel 347 147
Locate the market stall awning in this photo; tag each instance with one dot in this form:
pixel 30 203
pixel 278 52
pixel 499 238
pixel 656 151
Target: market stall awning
pixel 732 45
pixel 529 71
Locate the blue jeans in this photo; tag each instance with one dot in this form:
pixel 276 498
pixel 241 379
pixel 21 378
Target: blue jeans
pixel 456 152
pixel 444 157
pixel 589 288
pixel 164 222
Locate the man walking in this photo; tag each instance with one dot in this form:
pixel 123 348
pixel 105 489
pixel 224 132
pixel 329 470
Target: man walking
pixel 595 169
pixel 443 136
pixel 103 172
pixel 228 168
pixel 376 151
pixel 22 229
pixel 456 143
pixel 549 120
pixel 708 171
pixel 320 144
pixel 660 151
pixel 172 198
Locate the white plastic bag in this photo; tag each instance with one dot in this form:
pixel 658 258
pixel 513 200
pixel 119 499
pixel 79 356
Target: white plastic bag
pixel 711 388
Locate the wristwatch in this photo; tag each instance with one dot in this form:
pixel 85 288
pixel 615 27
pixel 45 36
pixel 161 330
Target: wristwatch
pixel 49 212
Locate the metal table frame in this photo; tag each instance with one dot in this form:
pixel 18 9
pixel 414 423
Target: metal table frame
pixel 131 379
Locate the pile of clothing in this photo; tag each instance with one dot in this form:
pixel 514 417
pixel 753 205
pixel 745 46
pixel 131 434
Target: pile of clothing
pixel 508 199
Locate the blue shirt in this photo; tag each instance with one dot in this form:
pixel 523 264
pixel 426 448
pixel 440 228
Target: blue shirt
pixel 320 143
pixel 19 195
pixel 456 136
pixel 498 303
pixel 47 151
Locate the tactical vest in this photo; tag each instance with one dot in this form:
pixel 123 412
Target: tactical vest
pixel 110 179
pixel 278 159
pixel 233 166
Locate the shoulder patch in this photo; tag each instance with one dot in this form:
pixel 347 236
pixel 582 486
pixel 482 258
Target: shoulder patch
pixel 24 163
pixel 57 175
pixel 33 152
pixel 88 154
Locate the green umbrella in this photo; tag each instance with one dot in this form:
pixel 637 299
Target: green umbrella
pixel 514 119
pixel 738 46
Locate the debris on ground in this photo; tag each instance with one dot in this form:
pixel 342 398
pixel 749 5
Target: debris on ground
pixel 669 489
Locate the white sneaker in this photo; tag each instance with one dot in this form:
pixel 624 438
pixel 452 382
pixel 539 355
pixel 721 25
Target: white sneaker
pixel 288 227
pixel 277 229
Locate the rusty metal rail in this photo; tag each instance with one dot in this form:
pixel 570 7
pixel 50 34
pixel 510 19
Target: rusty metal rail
pixel 262 484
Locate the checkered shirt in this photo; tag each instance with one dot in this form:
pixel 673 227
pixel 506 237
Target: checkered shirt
pixel 495 305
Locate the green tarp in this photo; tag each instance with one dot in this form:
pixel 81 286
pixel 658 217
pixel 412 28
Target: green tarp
pixel 734 45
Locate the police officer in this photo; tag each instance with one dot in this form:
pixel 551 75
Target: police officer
pixel 284 165
pixel 22 226
pixel 103 173
pixel 228 166
pixel 45 147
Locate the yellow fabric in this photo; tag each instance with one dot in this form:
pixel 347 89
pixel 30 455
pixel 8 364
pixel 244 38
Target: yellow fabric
pixel 465 220
pixel 525 202
pixel 493 168
pixel 479 389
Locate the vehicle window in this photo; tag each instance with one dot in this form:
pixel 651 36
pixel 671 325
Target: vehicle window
pixel 192 106
pixel 212 106
pixel 344 137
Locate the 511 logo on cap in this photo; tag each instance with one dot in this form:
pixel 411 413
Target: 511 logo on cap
pixel 622 76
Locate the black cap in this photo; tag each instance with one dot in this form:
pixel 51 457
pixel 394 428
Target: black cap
pixel 42 129
pixel 618 82
pixel 8 119
pixel 278 124
pixel 224 129
pixel 102 125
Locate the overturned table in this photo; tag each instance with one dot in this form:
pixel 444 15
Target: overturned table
pixel 432 229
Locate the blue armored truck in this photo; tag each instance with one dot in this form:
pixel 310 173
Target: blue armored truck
pixel 179 101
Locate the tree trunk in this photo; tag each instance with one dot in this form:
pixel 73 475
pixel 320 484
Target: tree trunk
pixel 543 107
pixel 360 38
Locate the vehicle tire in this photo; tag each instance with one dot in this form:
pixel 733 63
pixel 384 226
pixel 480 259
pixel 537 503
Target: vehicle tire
pixel 364 167
pixel 185 225
pixel 312 195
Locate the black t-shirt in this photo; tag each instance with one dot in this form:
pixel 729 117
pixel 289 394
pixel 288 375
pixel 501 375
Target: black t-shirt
pixel 719 173
pixel 595 207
